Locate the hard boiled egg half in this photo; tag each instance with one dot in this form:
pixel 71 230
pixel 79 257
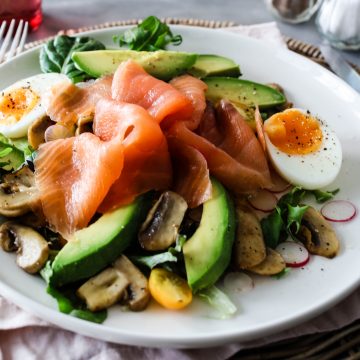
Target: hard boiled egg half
pixel 302 148
pixel 20 103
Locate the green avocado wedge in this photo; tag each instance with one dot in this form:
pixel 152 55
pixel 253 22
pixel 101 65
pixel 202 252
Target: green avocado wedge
pixel 208 252
pixel 161 64
pixel 95 247
pixel 214 65
pixel 242 92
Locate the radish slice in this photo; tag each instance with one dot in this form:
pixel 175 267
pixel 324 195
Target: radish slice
pixel 263 200
pixel 279 183
pixel 294 254
pixel 338 211
pixel 237 282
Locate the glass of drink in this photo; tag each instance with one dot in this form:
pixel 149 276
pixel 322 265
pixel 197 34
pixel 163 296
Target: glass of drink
pixel 27 10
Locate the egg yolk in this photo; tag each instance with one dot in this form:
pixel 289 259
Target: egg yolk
pixel 16 104
pixel 294 132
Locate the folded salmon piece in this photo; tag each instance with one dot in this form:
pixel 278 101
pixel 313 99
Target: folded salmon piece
pixel 231 149
pixel 194 90
pixel 132 84
pixel 147 164
pixel 67 103
pixel 191 174
pixel 73 176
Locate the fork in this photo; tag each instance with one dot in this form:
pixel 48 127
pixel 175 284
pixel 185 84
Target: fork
pixel 16 44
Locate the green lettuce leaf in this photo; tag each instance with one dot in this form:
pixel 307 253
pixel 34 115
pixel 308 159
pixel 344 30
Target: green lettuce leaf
pixel 218 300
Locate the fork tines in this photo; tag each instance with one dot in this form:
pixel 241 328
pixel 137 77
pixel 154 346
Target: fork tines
pixel 17 43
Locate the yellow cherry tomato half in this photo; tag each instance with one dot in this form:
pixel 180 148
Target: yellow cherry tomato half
pixel 169 290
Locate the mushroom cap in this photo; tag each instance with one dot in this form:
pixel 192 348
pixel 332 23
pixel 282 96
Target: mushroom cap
pixel 18 193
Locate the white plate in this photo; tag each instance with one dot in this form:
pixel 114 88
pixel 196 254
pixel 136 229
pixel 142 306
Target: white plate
pixel 273 305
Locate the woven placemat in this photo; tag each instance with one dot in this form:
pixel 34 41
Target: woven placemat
pixel 310 51
pixel 339 344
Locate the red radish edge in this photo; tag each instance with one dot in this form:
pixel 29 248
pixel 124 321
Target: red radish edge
pixel 338 207
pixel 263 200
pixel 294 254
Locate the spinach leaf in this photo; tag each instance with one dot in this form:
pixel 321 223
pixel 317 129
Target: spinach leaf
pixel 150 35
pixel 272 227
pixel 55 55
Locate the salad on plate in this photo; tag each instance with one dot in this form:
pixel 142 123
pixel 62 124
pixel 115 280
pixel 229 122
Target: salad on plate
pixel 141 173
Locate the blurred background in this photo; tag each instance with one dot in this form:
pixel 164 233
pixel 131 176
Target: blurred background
pixel 65 14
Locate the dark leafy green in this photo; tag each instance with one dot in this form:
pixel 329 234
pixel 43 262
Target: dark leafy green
pixel 272 227
pixel 55 55
pixel 67 305
pixel 150 35
pixel 286 218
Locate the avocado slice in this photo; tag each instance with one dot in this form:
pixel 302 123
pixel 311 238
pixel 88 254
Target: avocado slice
pixel 95 247
pixel 162 64
pixel 214 65
pixel 242 93
pixel 208 252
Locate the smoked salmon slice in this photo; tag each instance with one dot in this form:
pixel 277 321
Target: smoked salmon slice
pixel 132 84
pixel 67 103
pixel 73 176
pixel 231 149
pixel 147 164
pixel 191 173
pixel 193 89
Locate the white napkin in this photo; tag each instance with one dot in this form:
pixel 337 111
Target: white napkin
pixel 23 336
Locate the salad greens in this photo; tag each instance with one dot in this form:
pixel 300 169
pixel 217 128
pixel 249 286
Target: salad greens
pixel 55 55
pixel 14 153
pixel 171 255
pixel 219 300
pixel 150 35
pixel 68 303
pixel 285 219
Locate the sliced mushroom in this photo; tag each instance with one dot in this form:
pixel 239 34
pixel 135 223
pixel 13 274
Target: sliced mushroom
pixel 36 131
pixel 84 124
pixel 161 226
pixel 32 249
pixel 18 193
pixel 249 245
pixel 104 289
pixel 138 292
pixel 272 265
pixel 317 234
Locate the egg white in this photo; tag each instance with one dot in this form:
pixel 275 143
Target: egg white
pixel 40 85
pixel 310 171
